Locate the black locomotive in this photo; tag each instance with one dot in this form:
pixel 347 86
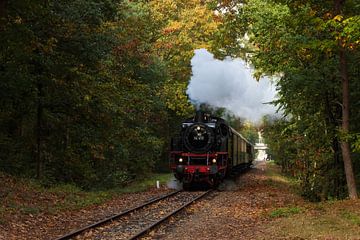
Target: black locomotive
pixel 207 149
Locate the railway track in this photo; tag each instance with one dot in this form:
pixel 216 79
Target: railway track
pixel 136 222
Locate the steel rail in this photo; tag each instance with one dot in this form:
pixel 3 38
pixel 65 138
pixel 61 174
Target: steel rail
pixel 101 222
pixel 147 229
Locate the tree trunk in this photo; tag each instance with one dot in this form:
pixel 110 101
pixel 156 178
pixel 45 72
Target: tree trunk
pixel 39 162
pixel 345 126
pixel 2 8
pixel 345 147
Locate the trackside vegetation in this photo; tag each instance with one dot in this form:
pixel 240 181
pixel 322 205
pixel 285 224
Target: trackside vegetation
pixel 311 48
pixel 305 219
pixel 20 196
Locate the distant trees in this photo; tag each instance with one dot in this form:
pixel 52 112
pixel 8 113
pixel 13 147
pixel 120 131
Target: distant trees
pixel 68 94
pixel 247 129
pixel 87 88
pixel 313 48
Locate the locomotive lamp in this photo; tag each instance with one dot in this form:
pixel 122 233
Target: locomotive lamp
pixel 214 160
pixel 180 160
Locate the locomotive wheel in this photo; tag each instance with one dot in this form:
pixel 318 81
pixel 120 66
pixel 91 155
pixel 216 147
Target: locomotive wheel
pixel 214 182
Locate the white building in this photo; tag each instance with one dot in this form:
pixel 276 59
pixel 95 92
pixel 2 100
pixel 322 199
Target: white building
pixel 261 148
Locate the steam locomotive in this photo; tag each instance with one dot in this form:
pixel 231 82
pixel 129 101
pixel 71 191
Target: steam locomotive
pixel 207 149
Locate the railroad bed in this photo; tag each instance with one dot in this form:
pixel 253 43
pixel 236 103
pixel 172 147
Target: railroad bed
pixel 137 221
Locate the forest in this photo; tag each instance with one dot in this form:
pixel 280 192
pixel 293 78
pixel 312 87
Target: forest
pixel 91 91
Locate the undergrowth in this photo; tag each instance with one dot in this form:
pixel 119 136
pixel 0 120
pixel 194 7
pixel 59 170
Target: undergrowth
pixel 335 219
pixel 30 197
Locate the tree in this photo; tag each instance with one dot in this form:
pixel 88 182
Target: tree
pixel 89 90
pixel 308 45
pixel 182 28
pixel 72 99
pixel 345 127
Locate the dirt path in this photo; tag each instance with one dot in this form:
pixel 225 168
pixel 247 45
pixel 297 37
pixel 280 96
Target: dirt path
pixel 240 211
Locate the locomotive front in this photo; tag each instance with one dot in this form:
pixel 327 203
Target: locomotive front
pixel 198 137
pixel 199 152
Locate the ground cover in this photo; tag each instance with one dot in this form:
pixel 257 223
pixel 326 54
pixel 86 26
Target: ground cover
pixel 259 204
pixel 324 220
pixel 30 211
pixel 263 204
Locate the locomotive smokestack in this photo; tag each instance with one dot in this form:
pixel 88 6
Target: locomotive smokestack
pixel 199 116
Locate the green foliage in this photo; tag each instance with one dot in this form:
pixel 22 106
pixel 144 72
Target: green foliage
pixel 307 156
pixel 299 42
pixel 181 28
pixel 285 212
pixel 86 91
pixel 247 129
pixel 356 143
pixel 250 132
pixel 145 183
pixel 353 218
pixel 71 106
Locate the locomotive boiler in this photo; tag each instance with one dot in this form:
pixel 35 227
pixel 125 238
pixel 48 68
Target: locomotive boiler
pixel 207 149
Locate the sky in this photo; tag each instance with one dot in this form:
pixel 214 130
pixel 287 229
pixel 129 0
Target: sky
pixel 229 83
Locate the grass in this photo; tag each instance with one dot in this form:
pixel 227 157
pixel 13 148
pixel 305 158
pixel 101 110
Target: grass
pixel 146 183
pixel 331 223
pixel 285 212
pixel 2 210
pixel 2 213
pixel 276 178
pixel 27 197
pixel 338 219
pixel 75 198
pixel 30 210
pixel 351 217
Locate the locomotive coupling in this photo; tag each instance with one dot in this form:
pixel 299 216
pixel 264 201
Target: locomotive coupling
pixel 180 169
pixel 213 169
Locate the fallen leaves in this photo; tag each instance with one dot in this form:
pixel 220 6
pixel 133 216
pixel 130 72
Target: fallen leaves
pixel 28 213
pixel 241 212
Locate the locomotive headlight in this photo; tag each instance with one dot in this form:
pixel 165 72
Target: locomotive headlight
pixel 214 160
pixel 198 128
pixel 180 160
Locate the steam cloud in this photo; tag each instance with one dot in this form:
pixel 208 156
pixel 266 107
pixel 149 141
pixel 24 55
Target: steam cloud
pixel 229 83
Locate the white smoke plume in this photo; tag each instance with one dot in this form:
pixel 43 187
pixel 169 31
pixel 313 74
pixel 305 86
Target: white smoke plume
pixel 230 84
